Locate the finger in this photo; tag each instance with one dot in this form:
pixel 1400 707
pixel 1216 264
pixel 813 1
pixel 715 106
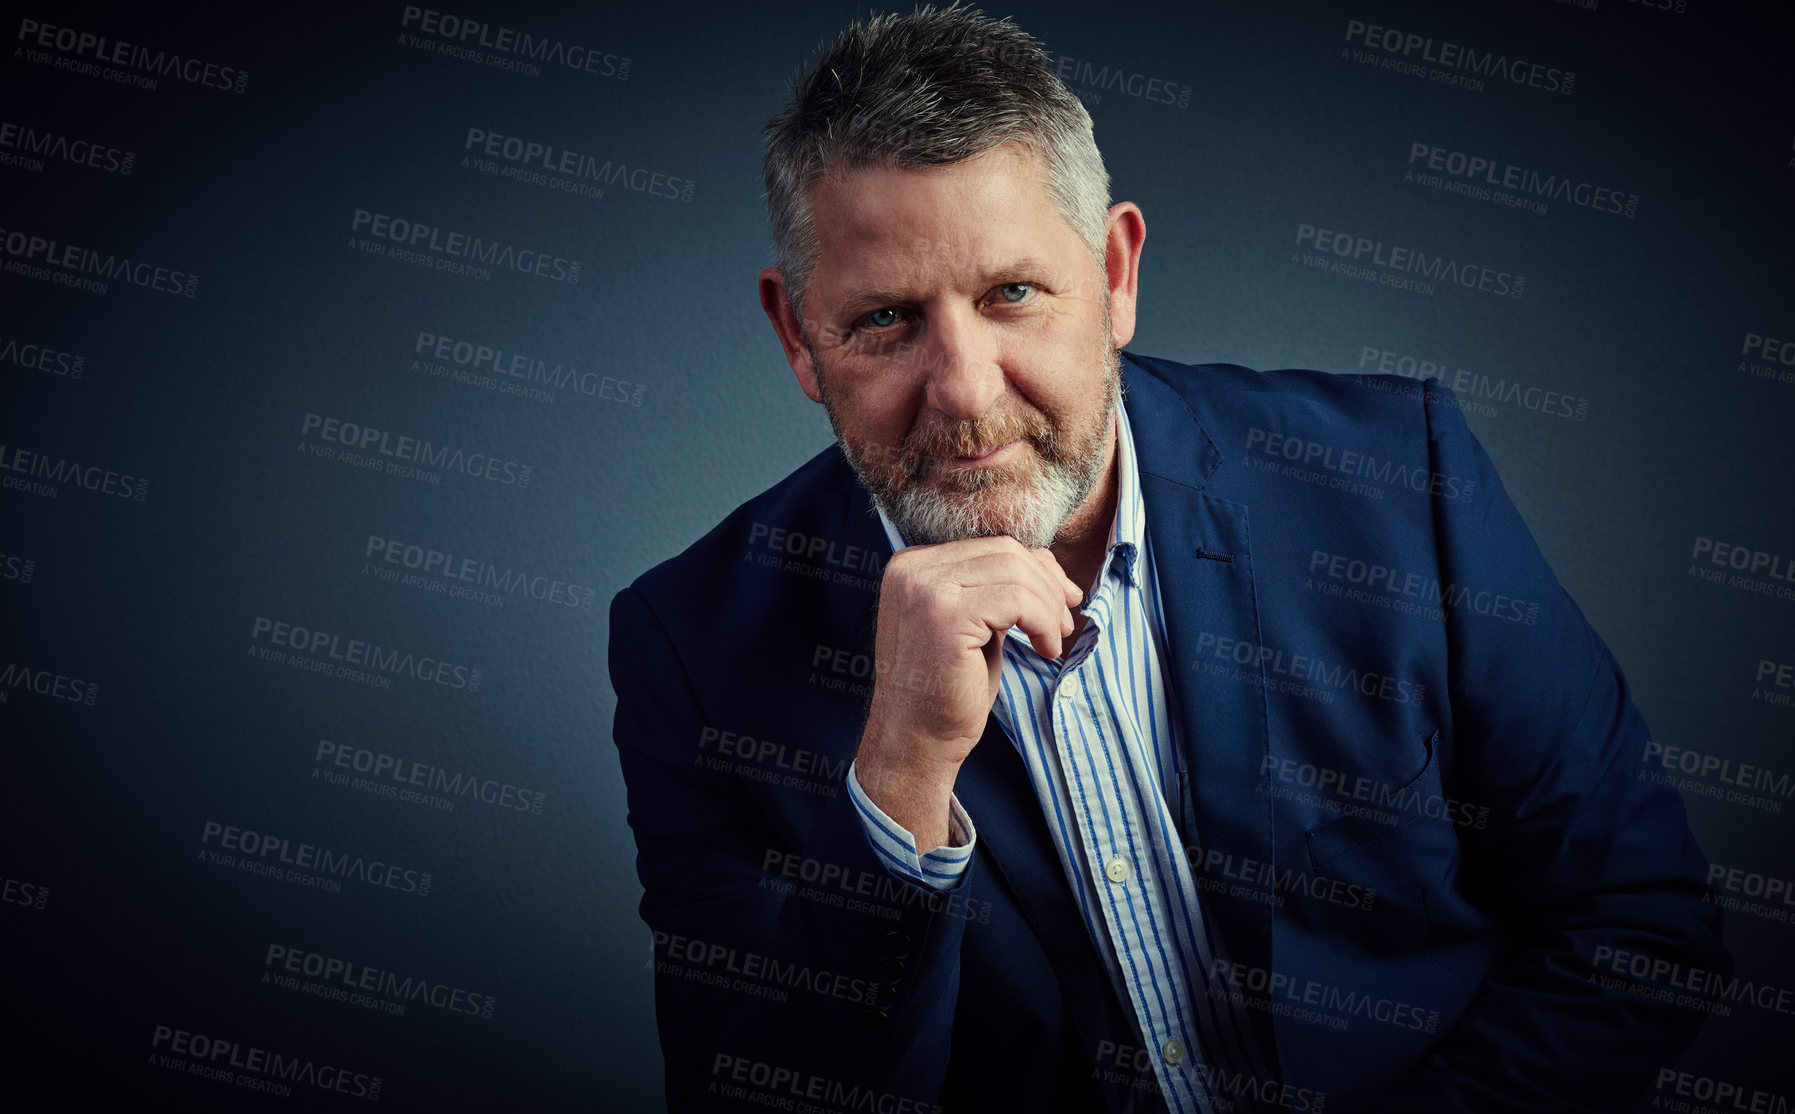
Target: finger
pixel 998 607
pixel 1073 592
pixel 1052 587
pixel 979 566
pixel 963 549
pixel 1020 566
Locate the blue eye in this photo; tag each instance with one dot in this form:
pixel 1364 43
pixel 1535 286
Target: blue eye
pixel 1015 291
pixel 882 318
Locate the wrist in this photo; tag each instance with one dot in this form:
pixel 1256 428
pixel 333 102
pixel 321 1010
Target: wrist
pixel 918 801
pixel 904 769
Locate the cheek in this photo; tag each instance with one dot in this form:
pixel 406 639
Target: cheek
pixel 1065 349
pixel 874 408
pixel 1059 387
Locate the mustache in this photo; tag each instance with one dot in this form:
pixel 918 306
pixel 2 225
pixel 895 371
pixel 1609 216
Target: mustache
pixel 975 437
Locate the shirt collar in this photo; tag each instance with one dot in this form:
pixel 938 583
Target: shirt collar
pixel 1127 531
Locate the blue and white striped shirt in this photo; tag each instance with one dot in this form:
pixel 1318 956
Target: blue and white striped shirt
pixel 1099 738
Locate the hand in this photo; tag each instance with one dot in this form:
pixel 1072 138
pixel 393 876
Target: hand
pixel 938 659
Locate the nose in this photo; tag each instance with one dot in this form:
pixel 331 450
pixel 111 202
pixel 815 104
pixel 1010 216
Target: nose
pixel 962 370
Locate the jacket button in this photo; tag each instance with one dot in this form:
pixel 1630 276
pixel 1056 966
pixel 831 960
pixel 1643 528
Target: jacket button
pixel 890 969
pixel 881 996
pixel 898 944
pixel 876 1021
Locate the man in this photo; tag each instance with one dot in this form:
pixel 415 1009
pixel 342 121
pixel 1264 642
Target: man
pixel 1091 732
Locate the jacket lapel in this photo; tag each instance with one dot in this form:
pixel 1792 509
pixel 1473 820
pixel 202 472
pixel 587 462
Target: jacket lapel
pixel 1204 564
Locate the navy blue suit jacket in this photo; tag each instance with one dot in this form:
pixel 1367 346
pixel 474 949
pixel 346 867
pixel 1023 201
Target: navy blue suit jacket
pixel 1424 825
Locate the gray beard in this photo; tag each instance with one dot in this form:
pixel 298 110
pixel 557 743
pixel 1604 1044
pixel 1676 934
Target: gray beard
pixel 927 514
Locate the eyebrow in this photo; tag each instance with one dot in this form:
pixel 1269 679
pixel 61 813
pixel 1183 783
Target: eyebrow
pixel 864 300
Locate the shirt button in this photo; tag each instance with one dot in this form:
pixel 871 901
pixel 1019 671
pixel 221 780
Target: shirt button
pixel 1116 870
pixel 1173 1052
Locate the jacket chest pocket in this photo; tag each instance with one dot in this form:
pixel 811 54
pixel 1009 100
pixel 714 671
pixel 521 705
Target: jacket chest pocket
pixel 1385 812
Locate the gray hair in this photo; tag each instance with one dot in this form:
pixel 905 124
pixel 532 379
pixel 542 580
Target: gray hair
pixel 926 89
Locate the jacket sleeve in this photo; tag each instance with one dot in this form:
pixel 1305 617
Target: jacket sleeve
pixel 1587 860
pixel 789 964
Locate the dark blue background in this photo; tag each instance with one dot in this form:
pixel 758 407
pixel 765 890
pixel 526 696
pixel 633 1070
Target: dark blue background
pixel 1644 317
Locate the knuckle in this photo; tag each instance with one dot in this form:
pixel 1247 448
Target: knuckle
pixel 931 606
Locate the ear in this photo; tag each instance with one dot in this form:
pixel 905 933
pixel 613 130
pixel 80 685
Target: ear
pixel 785 321
pixel 1124 231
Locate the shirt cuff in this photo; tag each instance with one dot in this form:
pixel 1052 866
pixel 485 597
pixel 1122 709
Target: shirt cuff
pixel 940 869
